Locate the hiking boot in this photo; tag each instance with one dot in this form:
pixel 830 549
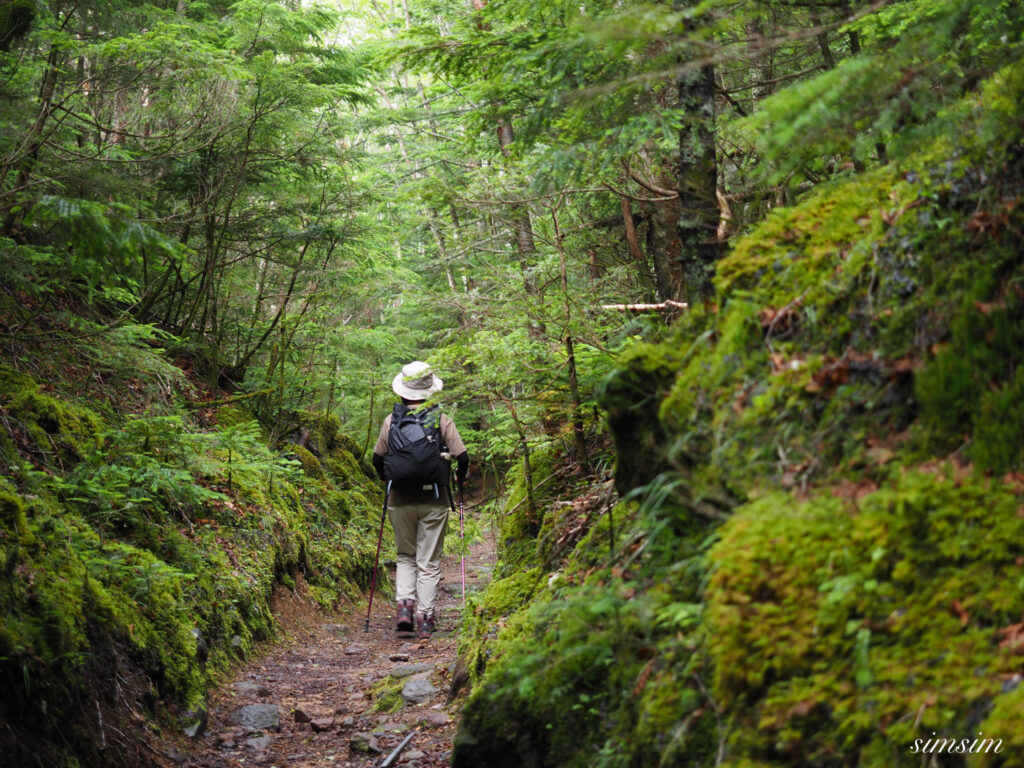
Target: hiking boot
pixel 426 625
pixel 405 611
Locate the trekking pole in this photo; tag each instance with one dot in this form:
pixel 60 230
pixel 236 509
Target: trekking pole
pixel 462 536
pixel 376 559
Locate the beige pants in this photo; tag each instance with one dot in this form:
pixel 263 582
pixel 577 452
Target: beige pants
pixel 419 533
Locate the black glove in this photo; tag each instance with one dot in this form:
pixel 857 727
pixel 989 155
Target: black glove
pixel 462 469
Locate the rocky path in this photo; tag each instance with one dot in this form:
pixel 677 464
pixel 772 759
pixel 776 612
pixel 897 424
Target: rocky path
pixel 336 695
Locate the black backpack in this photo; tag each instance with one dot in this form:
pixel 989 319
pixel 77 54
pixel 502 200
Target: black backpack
pixel 414 448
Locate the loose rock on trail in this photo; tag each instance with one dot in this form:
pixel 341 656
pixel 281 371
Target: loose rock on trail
pixel 317 700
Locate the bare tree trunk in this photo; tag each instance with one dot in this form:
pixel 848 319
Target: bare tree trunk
pixel 520 212
pixel 664 247
pixel 822 35
pixel 634 246
pixel 698 186
pixel 521 224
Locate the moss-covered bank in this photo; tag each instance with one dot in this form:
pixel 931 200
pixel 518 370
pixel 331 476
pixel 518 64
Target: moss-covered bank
pixel 139 555
pixel 824 563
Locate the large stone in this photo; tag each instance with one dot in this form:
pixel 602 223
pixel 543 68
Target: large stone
pixel 408 670
pixel 202 648
pixel 258 743
pixel 321 724
pixel 256 718
pixel 364 742
pixel 249 688
pixel 418 690
pixel 435 720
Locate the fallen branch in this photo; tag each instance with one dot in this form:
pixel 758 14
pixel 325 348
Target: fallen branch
pixel 229 400
pixel 390 759
pixel 667 304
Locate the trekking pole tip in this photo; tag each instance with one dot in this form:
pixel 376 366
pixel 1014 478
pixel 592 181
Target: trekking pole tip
pixel 366 628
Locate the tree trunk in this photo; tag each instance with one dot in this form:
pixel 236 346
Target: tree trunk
pixel 822 36
pixel 634 247
pixel 33 142
pixel 698 183
pixel 521 224
pixel 664 247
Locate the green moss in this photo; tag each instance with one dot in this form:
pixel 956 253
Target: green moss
pixel 324 430
pixel 310 463
pixel 233 414
pixel 12 513
pixel 796 247
pixel 631 397
pixel 874 326
pixel 519 525
pixel 386 694
pixel 973 389
pixel 344 469
pixel 63 431
pixel 1003 723
pixel 829 621
pixel 998 428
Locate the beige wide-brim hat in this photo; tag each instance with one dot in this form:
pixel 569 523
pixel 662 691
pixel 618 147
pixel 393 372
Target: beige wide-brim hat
pixel 416 381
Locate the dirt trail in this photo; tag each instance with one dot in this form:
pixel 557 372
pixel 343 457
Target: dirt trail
pixel 318 686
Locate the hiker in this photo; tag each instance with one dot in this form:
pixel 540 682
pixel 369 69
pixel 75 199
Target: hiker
pixel 413 455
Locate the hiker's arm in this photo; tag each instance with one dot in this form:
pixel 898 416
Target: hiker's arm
pixel 381 448
pixel 378 464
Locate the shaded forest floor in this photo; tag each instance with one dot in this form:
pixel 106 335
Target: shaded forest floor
pixel 334 694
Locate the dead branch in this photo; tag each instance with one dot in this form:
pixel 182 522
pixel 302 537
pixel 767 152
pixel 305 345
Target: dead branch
pixel 665 305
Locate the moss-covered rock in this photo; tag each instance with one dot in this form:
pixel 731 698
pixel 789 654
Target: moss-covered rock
pixel 310 463
pixel 53 430
pixel 830 620
pixel 631 397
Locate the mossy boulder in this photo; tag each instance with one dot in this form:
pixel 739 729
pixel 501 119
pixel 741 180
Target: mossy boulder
pixel 45 424
pixel 310 463
pixel 631 397
pixel 855 626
